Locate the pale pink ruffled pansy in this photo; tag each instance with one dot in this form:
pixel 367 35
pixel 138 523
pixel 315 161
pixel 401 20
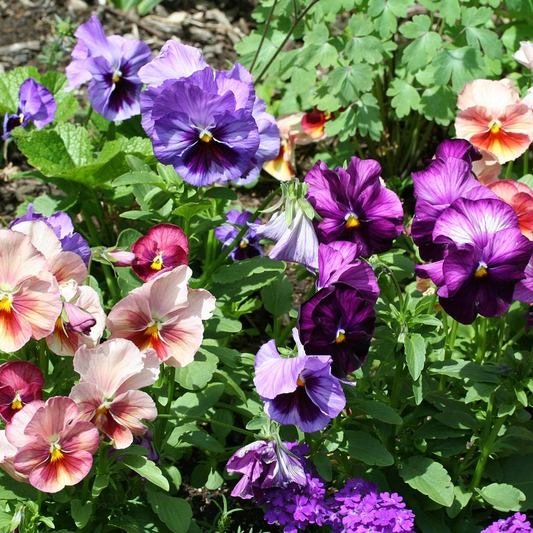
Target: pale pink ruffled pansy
pixel 108 394
pixel 493 118
pixel 29 294
pixel 487 169
pixel 164 314
pixel 55 448
pixel 7 453
pixel 524 55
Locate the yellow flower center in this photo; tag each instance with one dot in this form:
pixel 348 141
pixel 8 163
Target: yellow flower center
pixel 16 404
pixel 55 453
pixel 152 331
pixel 352 221
pixel 243 244
pixel 157 262
pixel 341 337
pixel 495 126
pixel 300 382
pixel 481 271
pixel 5 303
pixel 21 118
pixel 206 137
pixel 116 76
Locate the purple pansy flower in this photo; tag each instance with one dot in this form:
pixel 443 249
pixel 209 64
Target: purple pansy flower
pixel 516 523
pixel 62 225
pixel 110 65
pixel 264 465
pixel 249 246
pixel 446 179
pixel 485 257
pixel 36 105
pixel 298 390
pixel 355 206
pixel 459 149
pixel 209 125
pixel 338 321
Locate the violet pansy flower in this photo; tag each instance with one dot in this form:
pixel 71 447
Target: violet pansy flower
pixel 485 258
pixel 516 523
pixel 298 390
pixel 209 125
pixel 36 105
pixel 110 65
pixel 355 206
pixel 249 245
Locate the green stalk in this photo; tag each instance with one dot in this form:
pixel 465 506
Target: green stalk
pixel 88 115
pixel 171 387
pixel 451 336
pixel 509 170
pixel 395 283
pixel 525 169
pixel 481 339
pixel 267 25
pixel 222 424
pixel 43 357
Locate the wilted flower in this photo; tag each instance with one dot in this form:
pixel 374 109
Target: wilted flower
pixel 209 125
pixel 110 65
pixel 62 225
pixel 265 464
pixel 484 259
pixel 20 383
pixel 493 118
pixel 355 206
pixel 298 390
pixel 313 123
pixel 249 245
pixel 29 295
pixel 524 55
pixel 55 448
pixel 162 249
pixel 165 315
pixel 108 394
pixel 36 105
pixel 516 523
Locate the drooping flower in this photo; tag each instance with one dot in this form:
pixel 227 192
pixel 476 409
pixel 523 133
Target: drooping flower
pixel 20 383
pixel 110 65
pixel 264 464
pixel 162 249
pixel 313 123
pixel 493 118
pixel 81 322
pixel 520 197
pixel 115 256
pixel 29 295
pixel 55 448
pixel 36 105
pixel 62 225
pixel 338 321
pixel 298 390
pixel 516 523
pixel 165 315
pixel 524 55
pixel 209 125
pixel 355 206
pixel 108 394
pixel 249 245
pixel 484 259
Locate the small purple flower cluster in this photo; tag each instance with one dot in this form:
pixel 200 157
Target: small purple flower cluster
pixel 516 523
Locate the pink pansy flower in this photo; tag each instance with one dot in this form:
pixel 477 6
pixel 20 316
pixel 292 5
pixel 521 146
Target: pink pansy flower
pixel 82 321
pixel 55 448
pixel 107 392
pixel 487 169
pixel 29 295
pixel 524 55
pixel 20 383
pixel 118 257
pixel 520 197
pixel 528 98
pixel 7 453
pixel 63 265
pixel 164 314
pixel 164 247
pixel 493 118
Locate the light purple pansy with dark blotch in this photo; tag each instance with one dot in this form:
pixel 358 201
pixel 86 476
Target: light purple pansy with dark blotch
pixel 249 245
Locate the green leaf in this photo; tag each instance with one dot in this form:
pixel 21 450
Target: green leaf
pixel 406 97
pixel 176 513
pixel 197 374
pixel 429 478
pixel 10 83
pixel 204 441
pixel 502 497
pixel 380 411
pixel 139 177
pixel 67 105
pixel 277 296
pixel 101 481
pixel 344 125
pixel 419 25
pixel 197 403
pixel 221 192
pixel 367 117
pixel 415 354
pixel 438 104
pixel 461 65
pixel 421 51
pixel 147 469
pixel 81 513
pixel 517 472
pixel 348 82
pixel 225 416
pixel 485 40
pixel 363 447
pixel 467 370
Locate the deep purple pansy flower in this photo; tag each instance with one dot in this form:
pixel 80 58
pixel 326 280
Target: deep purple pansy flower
pixel 36 105
pixel 457 148
pixel 355 206
pixel 209 125
pixel 110 65
pixel 62 225
pixel 338 321
pixel 249 246
pixel 446 179
pixel 298 390
pixel 517 523
pixel 264 465
pixel 485 258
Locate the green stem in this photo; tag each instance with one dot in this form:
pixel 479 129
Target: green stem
pixel 263 37
pixel 526 163
pixel 112 132
pixel 43 357
pixel 500 337
pixel 88 115
pixel 509 170
pixel 171 387
pixel 481 339
pixel 205 279
pixel 222 424
pixel 395 283
pixel 287 37
pixel 451 336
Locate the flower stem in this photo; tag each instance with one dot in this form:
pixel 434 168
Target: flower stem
pixel 267 25
pixel 222 424
pixel 509 170
pixel 170 377
pixel 43 357
pixel 451 335
pixel 481 339
pixel 88 115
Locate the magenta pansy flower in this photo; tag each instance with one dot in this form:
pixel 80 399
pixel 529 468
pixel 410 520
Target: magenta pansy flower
pixel 55 448
pixel 108 394
pixel 162 249
pixel 21 382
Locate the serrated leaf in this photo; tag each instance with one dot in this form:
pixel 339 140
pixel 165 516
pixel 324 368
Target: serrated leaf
pixel 367 48
pixel 368 118
pixel 438 104
pixel 365 448
pixel 461 65
pixel 418 54
pixel 429 478
pixel 176 513
pixel 406 97
pixel 415 354
pixel 348 82
pixel 344 125
pixel 485 40
pixel 502 497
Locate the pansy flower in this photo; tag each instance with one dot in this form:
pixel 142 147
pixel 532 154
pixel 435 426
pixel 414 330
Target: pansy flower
pixel 249 245
pixel 36 105
pixel 110 65
pixel 524 55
